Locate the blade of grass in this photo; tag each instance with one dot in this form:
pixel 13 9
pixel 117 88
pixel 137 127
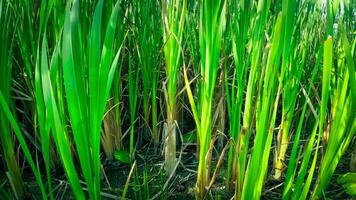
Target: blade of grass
pixel 6 68
pixel 23 144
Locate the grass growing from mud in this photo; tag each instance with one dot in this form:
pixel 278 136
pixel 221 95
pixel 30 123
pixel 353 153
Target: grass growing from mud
pixel 127 99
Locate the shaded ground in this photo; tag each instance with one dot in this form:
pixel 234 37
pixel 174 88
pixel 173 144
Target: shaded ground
pixel 149 179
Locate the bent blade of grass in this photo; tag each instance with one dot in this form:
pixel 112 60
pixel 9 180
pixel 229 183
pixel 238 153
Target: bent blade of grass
pixel 343 122
pixel 74 82
pixel 211 28
pixel 23 144
pixel 258 162
pixel 294 158
pixel 6 70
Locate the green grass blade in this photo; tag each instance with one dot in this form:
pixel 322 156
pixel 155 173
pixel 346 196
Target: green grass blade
pixel 23 144
pixel 58 128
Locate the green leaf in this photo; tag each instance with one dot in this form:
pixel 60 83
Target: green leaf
pixel 122 156
pixel 347 178
pixel 190 137
pixel 23 144
pixel 58 128
pixel 348 181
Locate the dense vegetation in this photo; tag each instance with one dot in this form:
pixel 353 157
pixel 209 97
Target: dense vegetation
pixel 132 98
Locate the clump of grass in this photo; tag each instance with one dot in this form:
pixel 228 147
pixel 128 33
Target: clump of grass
pixel 173 19
pixel 235 85
pixel 211 27
pixel 133 77
pixel 148 37
pixel 89 105
pixel 342 127
pixel 287 67
pixel 6 63
pixel 83 105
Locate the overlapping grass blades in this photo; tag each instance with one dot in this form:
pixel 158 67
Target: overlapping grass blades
pixel 289 82
pixel 55 118
pixel 211 27
pixel 83 106
pixel 236 85
pixel 258 163
pixel 253 61
pixel 173 19
pixel 342 127
pixel 6 53
pixel 23 145
pixel 148 38
pixel 287 66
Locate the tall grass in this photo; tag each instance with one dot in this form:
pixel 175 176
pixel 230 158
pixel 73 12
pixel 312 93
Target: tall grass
pixel 211 24
pixel 148 47
pixel 173 19
pixel 56 119
pixel 133 79
pixel 342 125
pixel 283 70
pixel 83 105
pixel 6 65
pixel 289 82
pixel 22 142
pixel 257 42
pixel 236 85
pixel 89 106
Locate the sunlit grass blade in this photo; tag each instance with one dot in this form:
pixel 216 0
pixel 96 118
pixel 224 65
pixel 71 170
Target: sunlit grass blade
pixel 173 19
pixel 258 164
pixel 211 27
pixel 89 106
pixel 289 79
pixel 343 125
pixel 56 123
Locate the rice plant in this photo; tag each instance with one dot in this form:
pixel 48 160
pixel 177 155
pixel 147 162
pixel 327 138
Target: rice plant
pixel 236 85
pixel 84 86
pixel 6 65
pixel 342 125
pixel 102 61
pixel 173 19
pixel 148 47
pixel 82 105
pixel 210 34
pixel 289 80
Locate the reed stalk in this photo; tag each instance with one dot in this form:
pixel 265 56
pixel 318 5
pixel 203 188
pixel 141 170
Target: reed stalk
pixel 173 19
